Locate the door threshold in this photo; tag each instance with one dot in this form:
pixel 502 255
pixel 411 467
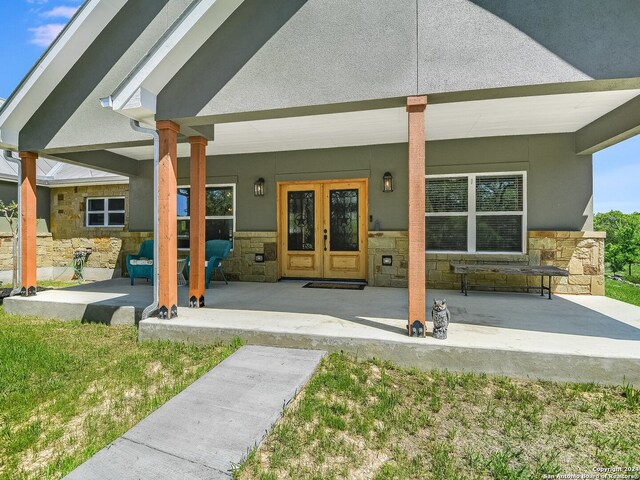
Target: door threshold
pixel 347 281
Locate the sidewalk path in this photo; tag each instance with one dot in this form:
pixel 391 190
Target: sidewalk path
pixel 210 426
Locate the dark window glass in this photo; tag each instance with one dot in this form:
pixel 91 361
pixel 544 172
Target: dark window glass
pixel 96 219
pixel 219 201
pixel 183 202
pixel 499 193
pixel 214 230
pixel 301 218
pixel 447 194
pixel 95 204
pixel 446 233
pixel 219 229
pixel 343 213
pixel 499 233
pixel 183 233
pixel 116 219
pixel 116 204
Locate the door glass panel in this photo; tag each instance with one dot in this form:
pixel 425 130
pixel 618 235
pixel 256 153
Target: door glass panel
pixel 301 220
pixel 343 213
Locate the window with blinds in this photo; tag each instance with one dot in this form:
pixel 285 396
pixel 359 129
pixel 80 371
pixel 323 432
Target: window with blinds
pixel 472 213
pixel 447 205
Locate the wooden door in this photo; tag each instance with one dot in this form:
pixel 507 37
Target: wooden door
pixel 322 229
pixel 300 229
pixel 345 228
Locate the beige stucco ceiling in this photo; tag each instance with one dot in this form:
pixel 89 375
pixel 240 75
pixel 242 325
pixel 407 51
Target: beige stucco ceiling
pixel 481 118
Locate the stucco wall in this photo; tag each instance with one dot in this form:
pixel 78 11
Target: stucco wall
pixel 559 182
pixel 9 192
pixel 266 58
pixel 72 114
pixel 273 56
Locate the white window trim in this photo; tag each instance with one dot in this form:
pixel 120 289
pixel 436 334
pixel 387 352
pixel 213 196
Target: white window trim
pixel 472 214
pixel 214 217
pixel 104 211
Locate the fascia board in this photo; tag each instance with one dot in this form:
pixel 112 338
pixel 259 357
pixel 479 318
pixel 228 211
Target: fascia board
pixel 173 50
pixel 54 64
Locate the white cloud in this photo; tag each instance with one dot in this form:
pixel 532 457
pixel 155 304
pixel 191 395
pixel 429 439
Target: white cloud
pixel 60 12
pixel 45 34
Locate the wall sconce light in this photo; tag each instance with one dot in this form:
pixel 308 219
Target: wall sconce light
pixel 259 258
pixel 387 182
pixel 387 260
pixel 258 187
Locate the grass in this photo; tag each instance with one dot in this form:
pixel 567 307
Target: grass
pixel 57 283
pixel 68 389
pixel 374 420
pixel 622 291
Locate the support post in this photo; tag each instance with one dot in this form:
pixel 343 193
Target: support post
pixel 167 220
pixel 28 224
pixel 197 212
pixel 417 280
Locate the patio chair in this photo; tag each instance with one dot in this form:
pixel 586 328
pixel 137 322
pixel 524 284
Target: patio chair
pixel 141 265
pixel 215 251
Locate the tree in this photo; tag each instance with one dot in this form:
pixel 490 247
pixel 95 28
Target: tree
pixel 623 238
pixel 10 213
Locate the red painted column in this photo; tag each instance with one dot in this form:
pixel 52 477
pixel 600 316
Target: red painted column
pixel 167 220
pixel 197 171
pixel 417 301
pixel 28 223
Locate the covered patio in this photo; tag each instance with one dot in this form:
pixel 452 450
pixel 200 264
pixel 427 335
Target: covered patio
pixel 570 338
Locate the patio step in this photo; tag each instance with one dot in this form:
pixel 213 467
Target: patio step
pixel 213 424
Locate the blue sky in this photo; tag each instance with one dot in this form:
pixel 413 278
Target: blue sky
pixel 30 25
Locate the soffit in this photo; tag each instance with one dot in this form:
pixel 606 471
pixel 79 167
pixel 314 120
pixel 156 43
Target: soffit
pixel 481 118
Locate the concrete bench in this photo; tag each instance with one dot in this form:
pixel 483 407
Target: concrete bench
pixel 528 270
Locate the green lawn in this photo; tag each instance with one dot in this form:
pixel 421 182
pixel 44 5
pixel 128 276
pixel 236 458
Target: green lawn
pixel 622 291
pixel 68 389
pixel 362 420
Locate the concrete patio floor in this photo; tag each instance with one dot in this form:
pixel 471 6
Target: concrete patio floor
pixel 569 338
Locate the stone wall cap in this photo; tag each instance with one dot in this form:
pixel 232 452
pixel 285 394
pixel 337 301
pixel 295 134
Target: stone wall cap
pixel 388 233
pixel 566 234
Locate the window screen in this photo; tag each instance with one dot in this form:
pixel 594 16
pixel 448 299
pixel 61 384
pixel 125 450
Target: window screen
pixel 475 213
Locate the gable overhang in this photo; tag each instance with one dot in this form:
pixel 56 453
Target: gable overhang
pixel 136 96
pixel 53 65
pixel 614 127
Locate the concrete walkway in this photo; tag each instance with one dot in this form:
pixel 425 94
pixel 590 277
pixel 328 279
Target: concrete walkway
pixel 209 427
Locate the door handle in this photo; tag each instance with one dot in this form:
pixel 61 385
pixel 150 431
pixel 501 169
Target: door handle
pixel 325 239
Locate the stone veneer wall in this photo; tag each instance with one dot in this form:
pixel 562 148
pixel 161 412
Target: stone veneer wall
pixel 388 243
pixel 109 246
pixel 241 264
pixel 44 246
pixel 107 254
pixel 581 253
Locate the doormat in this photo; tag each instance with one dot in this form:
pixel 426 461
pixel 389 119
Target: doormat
pixel 335 286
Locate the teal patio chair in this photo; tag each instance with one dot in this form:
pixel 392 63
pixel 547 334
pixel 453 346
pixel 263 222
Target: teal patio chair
pixel 215 251
pixel 141 265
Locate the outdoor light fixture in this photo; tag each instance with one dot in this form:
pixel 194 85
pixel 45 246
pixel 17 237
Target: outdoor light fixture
pixel 259 258
pixel 387 182
pixel 258 187
pixel 387 260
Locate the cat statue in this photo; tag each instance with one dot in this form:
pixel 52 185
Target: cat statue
pixel 441 317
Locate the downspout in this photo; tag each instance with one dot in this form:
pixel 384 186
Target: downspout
pixel 135 125
pixel 17 287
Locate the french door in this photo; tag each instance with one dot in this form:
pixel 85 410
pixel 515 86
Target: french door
pixel 322 229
